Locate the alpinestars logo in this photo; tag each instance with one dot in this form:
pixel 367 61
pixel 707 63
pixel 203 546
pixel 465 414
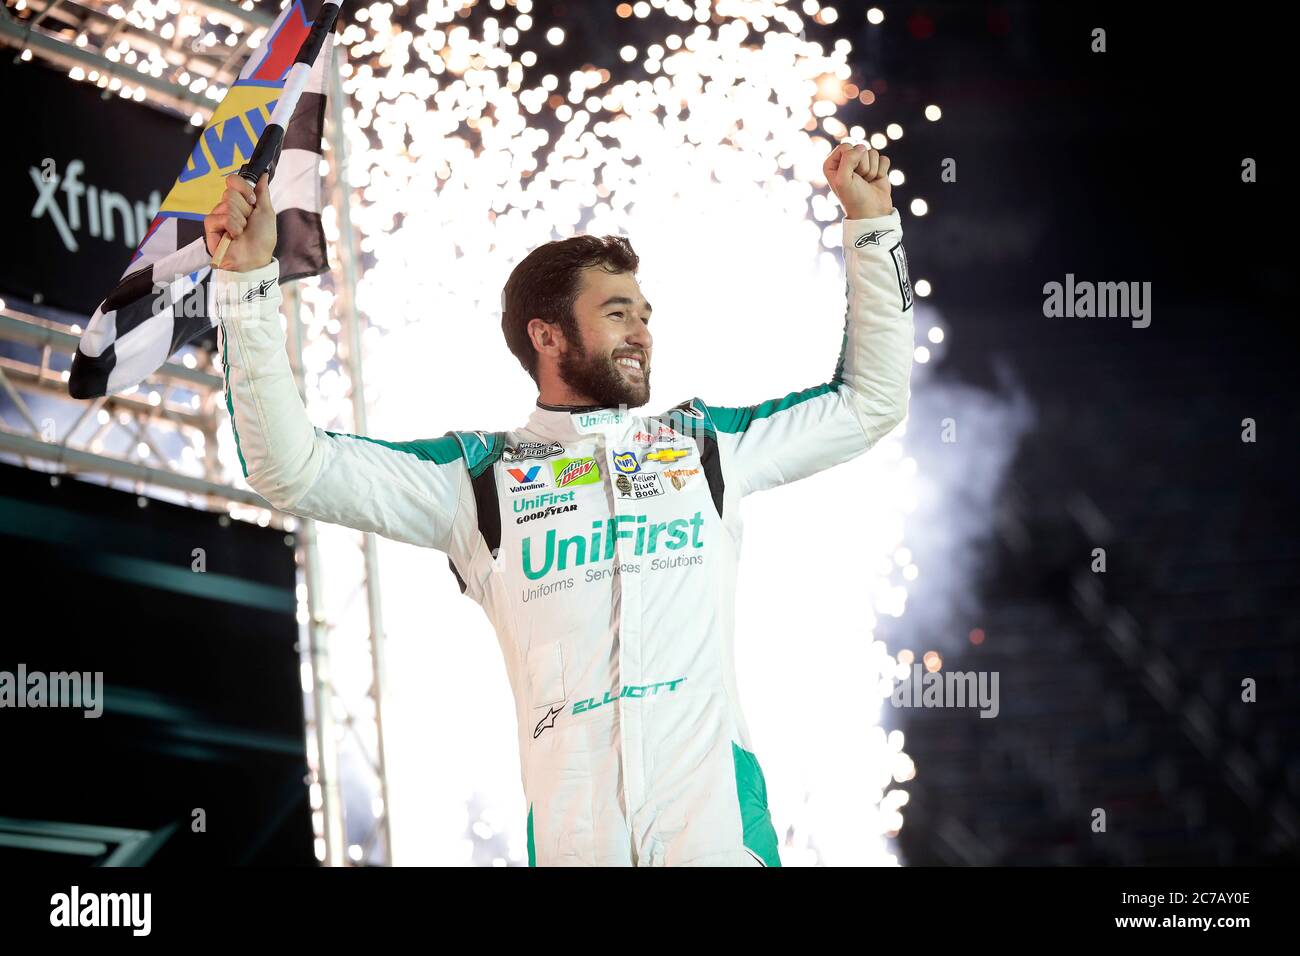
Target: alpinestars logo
pixel 688 409
pixel 259 291
pixel 547 722
pixel 871 238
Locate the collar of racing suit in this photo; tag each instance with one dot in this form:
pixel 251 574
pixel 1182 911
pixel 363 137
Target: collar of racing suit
pixel 565 422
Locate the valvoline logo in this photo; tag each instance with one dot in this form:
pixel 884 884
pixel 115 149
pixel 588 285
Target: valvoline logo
pixel 521 476
pixel 525 479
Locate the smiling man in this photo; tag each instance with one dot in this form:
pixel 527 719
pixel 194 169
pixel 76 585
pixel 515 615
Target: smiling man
pixel 601 544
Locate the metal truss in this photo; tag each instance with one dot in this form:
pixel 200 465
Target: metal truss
pixel 107 45
pixel 161 439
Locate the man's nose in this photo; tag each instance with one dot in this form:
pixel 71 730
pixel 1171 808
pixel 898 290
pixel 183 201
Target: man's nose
pixel 640 335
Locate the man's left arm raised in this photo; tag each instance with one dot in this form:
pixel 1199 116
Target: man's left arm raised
pixel 788 438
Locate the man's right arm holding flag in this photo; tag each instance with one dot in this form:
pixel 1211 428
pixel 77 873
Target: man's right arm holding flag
pixel 408 491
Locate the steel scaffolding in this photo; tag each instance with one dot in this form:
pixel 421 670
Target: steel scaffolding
pixel 130 440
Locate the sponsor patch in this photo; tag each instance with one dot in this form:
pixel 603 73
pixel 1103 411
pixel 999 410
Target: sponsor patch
pixel 531 449
pixel 575 471
pixel 664 436
pixel 596 419
pixel 679 476
pixel 544 506
pixel 525 479
pixel 641 485
pixel 900 266
pixel 666 454
pixel 625 463
pixel 689 409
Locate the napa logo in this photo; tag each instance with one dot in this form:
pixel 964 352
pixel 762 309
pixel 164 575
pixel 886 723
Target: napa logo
pixel 575 471
pixel 625 463
pixel 647 537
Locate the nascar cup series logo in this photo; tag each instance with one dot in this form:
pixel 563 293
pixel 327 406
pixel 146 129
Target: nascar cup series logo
pixel 575 471
pixel 531 449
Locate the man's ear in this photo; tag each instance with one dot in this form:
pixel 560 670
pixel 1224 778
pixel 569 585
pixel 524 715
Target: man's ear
pixel 542 333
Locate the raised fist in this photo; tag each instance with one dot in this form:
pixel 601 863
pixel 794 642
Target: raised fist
pixel 859 176
pixel 246 214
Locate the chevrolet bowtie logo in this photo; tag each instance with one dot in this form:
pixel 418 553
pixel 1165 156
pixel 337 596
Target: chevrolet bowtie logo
pixel 259 291
pixel 666 454
pixel 871 238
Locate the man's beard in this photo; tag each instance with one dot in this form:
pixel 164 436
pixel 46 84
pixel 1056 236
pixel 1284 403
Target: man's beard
pixel 597 376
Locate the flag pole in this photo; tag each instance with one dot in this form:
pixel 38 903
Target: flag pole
pixel 267 150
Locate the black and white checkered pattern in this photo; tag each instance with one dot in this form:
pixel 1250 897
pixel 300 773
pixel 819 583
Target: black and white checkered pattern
pixel 162 300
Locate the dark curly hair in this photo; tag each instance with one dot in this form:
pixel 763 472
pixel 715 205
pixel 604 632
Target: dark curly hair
pixel 545 284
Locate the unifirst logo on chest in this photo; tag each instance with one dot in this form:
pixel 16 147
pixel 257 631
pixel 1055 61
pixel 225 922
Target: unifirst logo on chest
pixel 561 554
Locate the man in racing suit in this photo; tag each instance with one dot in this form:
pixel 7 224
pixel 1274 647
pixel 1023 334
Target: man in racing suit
pixel 601 544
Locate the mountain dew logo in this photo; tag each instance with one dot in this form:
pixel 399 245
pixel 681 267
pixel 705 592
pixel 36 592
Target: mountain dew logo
pixel 575 471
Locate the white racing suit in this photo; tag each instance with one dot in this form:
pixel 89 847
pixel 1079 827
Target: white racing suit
pixel 602 545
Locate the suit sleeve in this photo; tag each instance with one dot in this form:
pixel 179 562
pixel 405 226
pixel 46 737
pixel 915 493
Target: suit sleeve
pixel 408 491
pixel 785 439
